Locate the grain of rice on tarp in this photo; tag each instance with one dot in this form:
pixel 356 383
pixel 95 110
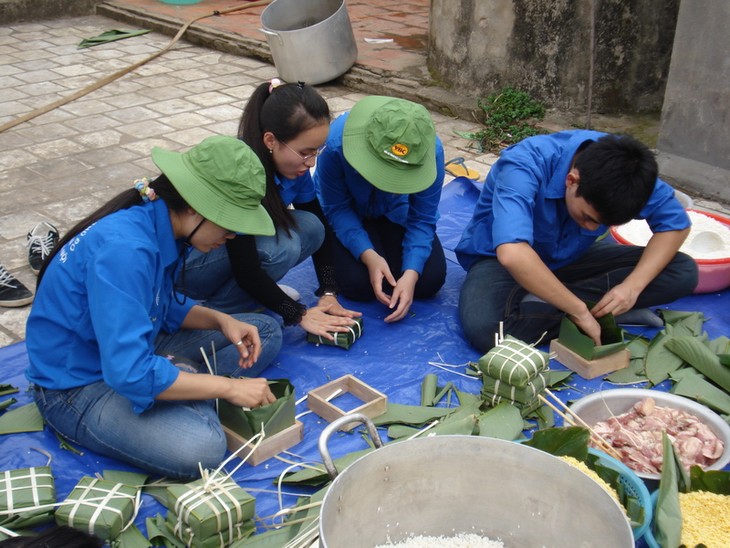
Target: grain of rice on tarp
pixel 638 232
pixel 705 519
pixel 462 540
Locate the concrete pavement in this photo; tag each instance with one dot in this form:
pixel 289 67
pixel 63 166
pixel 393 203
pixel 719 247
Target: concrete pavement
pixel 63 164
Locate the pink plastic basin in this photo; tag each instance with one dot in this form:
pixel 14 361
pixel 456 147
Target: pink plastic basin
pixel 714 273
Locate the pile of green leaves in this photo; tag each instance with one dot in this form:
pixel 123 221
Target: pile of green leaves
pixel 699 367
pixel 509 116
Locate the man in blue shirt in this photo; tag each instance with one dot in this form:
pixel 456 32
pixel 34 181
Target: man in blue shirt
pixel 379 181
pixel 532 251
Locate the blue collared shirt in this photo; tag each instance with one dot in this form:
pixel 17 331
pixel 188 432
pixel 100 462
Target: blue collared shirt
pixel 347 198
pixel 523 200
pixel 299 190
pixel 103 299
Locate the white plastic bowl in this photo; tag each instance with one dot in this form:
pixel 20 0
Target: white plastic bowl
pixel 603 405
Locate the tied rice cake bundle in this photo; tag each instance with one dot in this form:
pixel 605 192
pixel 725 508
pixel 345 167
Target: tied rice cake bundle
pixel 513 362
pixel 27 494
pixel 493 400
pixel 705 519
pixel 342 339
pixel 528 394
pixel 100 507
pixel 222 539
pixel 210 507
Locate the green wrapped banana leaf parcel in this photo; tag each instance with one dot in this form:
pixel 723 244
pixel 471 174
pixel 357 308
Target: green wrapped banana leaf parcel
pixel 205 508
pixel 100 507
pixel 527 394
pixel 27 496
pixel 513 362
pixel 343 339
pixel 222 539
pixel 612 338
pixel 271 418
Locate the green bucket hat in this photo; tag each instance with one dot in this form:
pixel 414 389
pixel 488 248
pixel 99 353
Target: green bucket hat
pixel 222 179
pixel 392 143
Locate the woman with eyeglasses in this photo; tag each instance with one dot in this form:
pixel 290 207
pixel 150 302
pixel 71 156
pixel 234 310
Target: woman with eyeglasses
pixel 286 125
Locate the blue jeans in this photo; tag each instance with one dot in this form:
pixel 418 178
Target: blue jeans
pixel 209 278
pixel 172 437
pixel 490 294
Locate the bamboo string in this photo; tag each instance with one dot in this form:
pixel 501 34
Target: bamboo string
pixel 575 420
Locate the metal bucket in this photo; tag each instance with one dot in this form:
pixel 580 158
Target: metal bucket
pixel 311 41
pixel 446 485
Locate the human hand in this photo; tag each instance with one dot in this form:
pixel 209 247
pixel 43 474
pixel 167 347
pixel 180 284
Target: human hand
pixel 378 269
pixel 618 300
pixel 402 297
pixel 588 325
pixel 245 392
pixel 246 338
pixel 318 321
pixel 335 308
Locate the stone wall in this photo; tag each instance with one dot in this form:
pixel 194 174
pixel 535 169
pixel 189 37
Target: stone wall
pixel 543 47
pixel 13 11
pixel 694 136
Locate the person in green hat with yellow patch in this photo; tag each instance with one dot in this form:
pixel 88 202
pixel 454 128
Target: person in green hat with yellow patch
pixel 379 181
pixel 114 350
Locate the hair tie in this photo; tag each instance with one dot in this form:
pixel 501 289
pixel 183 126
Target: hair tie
pixel 147 193
pixel 275 83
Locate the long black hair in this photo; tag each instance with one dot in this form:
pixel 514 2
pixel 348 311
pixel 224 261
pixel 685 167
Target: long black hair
pixel 286 111
pixel 124 200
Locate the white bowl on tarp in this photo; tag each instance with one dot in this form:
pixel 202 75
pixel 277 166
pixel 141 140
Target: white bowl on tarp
pixel 601 406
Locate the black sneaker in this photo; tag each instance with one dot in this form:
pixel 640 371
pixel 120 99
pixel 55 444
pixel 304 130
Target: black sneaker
pixel 12 292
pixel 41 241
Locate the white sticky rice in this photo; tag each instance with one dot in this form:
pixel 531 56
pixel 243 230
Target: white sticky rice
pixel 638 232
pixel 462 540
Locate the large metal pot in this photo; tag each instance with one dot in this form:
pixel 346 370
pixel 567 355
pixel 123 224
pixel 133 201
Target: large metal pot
pixel 310 41
pixel 445 485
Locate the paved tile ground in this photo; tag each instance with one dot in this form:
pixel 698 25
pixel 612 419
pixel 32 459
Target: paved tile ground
pixel 63 164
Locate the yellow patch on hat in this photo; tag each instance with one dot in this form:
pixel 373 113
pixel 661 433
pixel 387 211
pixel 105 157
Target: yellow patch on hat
pixel 399 150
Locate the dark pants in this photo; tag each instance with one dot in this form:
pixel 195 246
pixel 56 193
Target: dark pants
pixel 387 239
pixel 490 294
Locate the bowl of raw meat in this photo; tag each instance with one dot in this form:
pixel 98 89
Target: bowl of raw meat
pixel 632 420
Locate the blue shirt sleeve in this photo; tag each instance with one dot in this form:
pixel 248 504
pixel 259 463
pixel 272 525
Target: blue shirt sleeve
pixel 123 308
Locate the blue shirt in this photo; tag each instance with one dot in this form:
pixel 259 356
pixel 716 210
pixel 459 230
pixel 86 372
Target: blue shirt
pixel 523 200
pixel 102 301
pixel 299 190
pixel 347 198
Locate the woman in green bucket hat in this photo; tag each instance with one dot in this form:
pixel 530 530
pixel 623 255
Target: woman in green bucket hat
pixel 108 335
pixel 379 181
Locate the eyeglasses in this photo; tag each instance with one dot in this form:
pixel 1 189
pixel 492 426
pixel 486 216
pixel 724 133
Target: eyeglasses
pixel 304 158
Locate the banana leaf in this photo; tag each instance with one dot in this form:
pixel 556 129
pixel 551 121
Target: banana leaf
pixel 131 537
pixel 461 424
pixel 573 338
pixel 667 514
pixel 6 389
pixel 660 361
pixel 713 481
pixel 720 345
pixel 691 384
pixel 23 419
pixel 634 373
pixel 7 403
pixel 272 418
pixel 695 353
pixel 301 521
pixel 572 442
pixel 429 386
pixel 318 474
pixel 503 422
pixel 683 323
pixel 397 413
pixel 557 377
pixel 110 36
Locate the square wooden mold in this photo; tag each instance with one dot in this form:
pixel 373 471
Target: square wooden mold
pixel 589 369
pixel 374 402
pixel 272 445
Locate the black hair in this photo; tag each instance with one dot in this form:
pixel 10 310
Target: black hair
pixel 124 200
pixel 286 111
pixel 617 177
pixel 60 536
